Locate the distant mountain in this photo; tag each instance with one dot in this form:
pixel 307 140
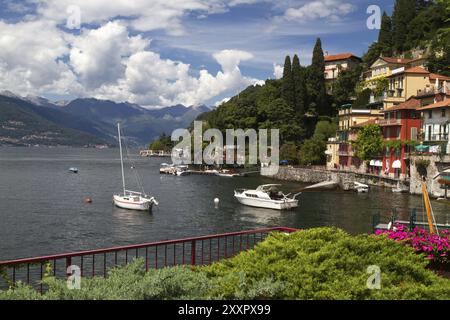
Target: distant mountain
pixel 140 125
pixel 93 118
pixel 23 123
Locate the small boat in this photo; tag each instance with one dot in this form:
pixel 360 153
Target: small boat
pixel 360 187
pixel 266 196
pixel 131 200
pixel 227 174
pixel 181 170
pixel 167 168
pixel 398 189
pixel 73 170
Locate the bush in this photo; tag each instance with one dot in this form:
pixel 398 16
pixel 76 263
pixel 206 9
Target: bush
pixel 325 263
pixel 125 283
pixel 435 247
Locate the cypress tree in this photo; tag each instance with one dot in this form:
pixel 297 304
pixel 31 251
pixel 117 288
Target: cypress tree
pixel 385 36
pixel 287 87
pixel 404 12
pixel 316 76
pixel 299 85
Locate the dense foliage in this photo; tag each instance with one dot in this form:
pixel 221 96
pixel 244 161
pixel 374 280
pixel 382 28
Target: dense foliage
pixel 369 142
pixel 415 24
pixel 323 263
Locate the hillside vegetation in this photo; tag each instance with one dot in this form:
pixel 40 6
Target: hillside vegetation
pixel 298 101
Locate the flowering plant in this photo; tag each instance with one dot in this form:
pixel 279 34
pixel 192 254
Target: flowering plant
pixel 435 247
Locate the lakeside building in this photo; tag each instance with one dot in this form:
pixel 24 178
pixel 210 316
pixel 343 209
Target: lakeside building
pixel 436 125
pixel 334 64
pixel 413 95
pixel 406 83
pixel 400 127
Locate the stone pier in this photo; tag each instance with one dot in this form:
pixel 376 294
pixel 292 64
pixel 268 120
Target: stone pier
pixel 343 178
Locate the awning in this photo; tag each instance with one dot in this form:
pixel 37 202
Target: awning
pixel 372 163
pixel 397 164
pixel 422 148
pixel 378 163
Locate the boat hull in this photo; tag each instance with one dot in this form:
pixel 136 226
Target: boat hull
pixel 140 205
pixel 267 204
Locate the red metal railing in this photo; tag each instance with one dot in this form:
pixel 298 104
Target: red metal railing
pixel 189 251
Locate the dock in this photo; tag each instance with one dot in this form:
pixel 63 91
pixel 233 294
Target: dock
pixel 155 153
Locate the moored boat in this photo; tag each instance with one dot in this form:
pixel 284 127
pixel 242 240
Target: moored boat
pixel 266 196
pixel 131 200
pixel 360 187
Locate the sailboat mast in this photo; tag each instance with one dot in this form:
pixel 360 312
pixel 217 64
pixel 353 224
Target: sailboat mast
pixel 121 158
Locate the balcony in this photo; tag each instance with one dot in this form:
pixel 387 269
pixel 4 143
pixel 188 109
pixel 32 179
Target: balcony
pixel 389 122
pixel 437 137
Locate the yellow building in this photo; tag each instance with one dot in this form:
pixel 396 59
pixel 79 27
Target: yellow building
pixel 406 83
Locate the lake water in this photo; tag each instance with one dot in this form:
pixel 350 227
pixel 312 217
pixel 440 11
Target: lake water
pixel 42 208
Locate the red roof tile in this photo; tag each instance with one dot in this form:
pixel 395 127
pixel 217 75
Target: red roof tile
pixel 411 104
pixel 440 104
pixel 396 60
pixel 434 76
pixel 340 56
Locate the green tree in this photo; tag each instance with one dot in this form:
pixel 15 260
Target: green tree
pixel 317 96
pixel 298 75
pixel 404 13
pixel 288 86
pixel 372 54
pixel 369 143
pixel 289 151
pixel 312 151
pixel 385 36
pixel 345 86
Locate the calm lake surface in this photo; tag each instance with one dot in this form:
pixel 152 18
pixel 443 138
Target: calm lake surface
pixel 42 209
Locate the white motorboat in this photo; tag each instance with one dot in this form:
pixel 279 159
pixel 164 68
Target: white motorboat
pixel 181 170
pixel 360 187
pixel 227 174
pixel 167 169
pixel 132 200
pixel 266 196
pixel 73 170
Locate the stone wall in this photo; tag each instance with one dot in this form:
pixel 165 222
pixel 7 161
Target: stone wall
pixel 343 178
pixel 437 164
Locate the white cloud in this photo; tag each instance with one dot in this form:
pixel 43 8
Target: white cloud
pixel 333 11
pixel 107 63
pixel 318 9
pixel 31 57
pixel 220 102
pixel 97 56
pixel 142 15
pixel 277 71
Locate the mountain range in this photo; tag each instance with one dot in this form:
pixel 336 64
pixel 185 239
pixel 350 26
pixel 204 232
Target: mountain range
pixel 35 120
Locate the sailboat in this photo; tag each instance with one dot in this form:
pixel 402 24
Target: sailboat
pixel 131 200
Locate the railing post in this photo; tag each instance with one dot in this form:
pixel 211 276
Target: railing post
pixel 68 264
pixel 193 248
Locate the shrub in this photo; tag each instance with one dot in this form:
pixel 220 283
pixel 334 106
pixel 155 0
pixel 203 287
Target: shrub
pixel 130 282
pixel 325 263
pixel 436 248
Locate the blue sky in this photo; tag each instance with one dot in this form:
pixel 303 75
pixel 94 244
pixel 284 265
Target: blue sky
pixel 156 49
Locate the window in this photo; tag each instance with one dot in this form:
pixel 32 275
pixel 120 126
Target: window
pixel 413 134
pixel 430 114
pixel 443 113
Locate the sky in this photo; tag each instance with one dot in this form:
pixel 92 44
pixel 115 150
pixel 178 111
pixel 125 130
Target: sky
pixel 165 52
